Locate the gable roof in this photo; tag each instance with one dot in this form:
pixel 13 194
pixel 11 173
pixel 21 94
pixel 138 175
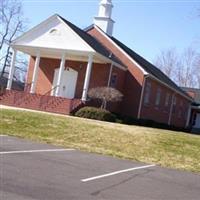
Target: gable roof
pixel 88 43
pixel 146 65
pixel 93 42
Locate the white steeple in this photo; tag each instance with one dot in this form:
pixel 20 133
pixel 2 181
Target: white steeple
pixel 103 20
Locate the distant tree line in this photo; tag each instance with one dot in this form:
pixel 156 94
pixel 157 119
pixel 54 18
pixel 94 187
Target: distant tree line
pixel 184 69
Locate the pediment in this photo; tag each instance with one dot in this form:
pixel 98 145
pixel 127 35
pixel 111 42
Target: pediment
pixel 53 33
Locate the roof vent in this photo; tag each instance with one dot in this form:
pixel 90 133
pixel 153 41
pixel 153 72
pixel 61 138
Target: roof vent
pixel 54 31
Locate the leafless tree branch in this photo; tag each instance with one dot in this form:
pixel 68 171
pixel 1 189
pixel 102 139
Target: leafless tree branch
pixel 180 68
pixel 11 25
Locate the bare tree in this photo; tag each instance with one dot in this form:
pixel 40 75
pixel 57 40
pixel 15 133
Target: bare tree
pixel 197 71
pixel 186 70
pixel 105 94
pixel 167 61
pixel 11 25
pixel 180 68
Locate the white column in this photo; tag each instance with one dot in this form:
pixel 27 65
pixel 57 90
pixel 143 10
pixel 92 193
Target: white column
pixel 11 70
pixel 87 78
pixel 35 73
pixel 62 66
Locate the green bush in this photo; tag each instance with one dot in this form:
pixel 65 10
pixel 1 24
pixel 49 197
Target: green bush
pixel 96 113
pixel 146 123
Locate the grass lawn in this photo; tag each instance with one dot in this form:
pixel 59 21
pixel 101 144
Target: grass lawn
pixel 166 148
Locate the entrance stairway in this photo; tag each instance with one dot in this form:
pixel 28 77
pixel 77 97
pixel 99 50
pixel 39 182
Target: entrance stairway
pixel 46 103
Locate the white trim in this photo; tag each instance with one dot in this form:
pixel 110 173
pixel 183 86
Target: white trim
pixel 17 46
pixel 34 151
pixel 55 18
pixel 116 172
pixel 62 21
pixel 34 28
pixel 141 97
pixel 176 91
pixel 129 57
pixel 144 72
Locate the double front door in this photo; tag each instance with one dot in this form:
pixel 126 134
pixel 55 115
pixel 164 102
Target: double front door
pixel 68 83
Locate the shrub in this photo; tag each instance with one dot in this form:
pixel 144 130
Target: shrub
pixel 146 123
pixel 96 113
pixel 105 94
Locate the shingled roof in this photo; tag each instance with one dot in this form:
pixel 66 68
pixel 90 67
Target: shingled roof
pixel 148 67
pixel 93 42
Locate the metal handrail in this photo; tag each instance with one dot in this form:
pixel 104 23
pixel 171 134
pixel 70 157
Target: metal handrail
pixel 45 97
pixel 48 92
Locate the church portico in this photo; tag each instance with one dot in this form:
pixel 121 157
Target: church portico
pixel 62 58
pixel 78 76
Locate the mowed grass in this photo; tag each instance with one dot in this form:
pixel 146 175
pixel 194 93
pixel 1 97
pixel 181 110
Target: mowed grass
pixel 166 148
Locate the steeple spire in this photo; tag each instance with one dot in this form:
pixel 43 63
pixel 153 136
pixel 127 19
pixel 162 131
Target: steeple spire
pixel 103 20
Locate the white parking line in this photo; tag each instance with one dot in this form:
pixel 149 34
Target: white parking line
pixel 3 136
pixel 35 151
pixel 116 172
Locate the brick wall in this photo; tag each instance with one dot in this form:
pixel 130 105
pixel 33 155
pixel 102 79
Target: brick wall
pixel 133 87
pixel 134 77
pixel 99 76
pixel 161 112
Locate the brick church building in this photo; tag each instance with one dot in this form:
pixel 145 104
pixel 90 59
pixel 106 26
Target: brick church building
pixel 66 61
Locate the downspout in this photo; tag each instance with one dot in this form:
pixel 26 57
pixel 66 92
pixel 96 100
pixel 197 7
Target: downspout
pixel 188 116
pixel 110 74
pixel 141 97
pixel 171 110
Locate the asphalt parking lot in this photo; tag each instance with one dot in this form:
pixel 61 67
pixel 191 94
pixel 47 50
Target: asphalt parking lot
pixel 30 171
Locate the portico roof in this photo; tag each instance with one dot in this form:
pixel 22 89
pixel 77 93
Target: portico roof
pixel 56 35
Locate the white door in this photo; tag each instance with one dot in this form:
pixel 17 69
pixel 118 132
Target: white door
pixel 197 121
pixel 68 83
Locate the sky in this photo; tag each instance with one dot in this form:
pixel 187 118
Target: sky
pixel 146 26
